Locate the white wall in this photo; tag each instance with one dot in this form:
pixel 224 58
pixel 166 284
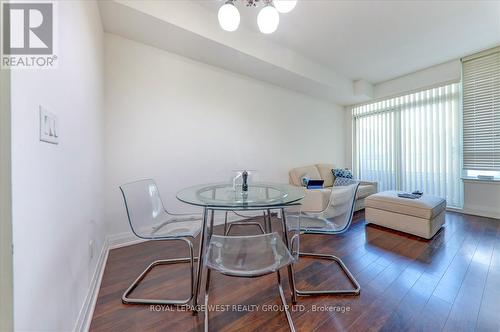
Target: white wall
pixel 57 199
pixel 183 123
pixel 480 197
pixel 440 74
pixel 6 267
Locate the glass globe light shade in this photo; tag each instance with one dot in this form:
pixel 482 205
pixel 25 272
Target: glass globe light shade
pixel 229 17
pixel 284 6
pixel 268 19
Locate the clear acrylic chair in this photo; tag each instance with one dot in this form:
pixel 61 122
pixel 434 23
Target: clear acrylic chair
pixel 254 256
pixel 237 181
pixel 335 219
pixel 149 220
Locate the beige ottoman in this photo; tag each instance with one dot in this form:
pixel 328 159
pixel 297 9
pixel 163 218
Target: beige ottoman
pixel 422 217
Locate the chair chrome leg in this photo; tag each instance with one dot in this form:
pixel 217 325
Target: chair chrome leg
pixel 344 268
pixel 207 287
pixel 227 226
pixel 201 248
pixel 225 223
pixel 291 278
pixel 127 300
pixel 244 223
pixel 285 305
pixel 268 221
pixel 282 298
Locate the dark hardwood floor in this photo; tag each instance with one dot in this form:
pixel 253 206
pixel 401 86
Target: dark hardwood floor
pixel 450 283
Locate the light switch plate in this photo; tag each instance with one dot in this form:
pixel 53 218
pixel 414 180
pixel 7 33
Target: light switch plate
pixel 48 127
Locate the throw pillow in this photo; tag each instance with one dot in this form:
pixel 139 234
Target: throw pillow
pixel 305 179
pixel 342 173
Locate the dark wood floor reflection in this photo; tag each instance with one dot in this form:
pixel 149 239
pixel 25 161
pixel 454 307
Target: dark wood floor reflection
pixel 450 283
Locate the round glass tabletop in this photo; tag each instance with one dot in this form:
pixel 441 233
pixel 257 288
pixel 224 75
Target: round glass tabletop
pixel 223 195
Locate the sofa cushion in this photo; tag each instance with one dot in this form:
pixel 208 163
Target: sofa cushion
pixel 325 171
pixel 426 207
pixel 365 190
pixel 297 173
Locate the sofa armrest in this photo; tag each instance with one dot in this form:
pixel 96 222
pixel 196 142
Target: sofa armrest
pixel 369 183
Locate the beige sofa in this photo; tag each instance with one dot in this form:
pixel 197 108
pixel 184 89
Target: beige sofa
pixel 316 200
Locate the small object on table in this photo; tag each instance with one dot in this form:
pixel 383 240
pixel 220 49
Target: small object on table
pixel 245 183
pixel 409 196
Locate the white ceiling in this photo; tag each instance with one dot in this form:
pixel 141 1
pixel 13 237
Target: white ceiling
pixel 380 40
pixel 322 46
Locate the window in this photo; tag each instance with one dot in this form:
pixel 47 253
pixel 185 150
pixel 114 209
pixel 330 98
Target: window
pixel 412 143
pixel 481 114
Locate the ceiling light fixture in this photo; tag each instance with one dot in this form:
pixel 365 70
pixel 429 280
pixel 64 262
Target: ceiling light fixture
pixel 268 18
pixel 229 16
pixel 284 6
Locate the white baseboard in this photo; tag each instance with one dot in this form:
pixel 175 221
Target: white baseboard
pixel 122 240
pixel 482 211
pixel 477 211
pixel 87 310
pixel 111 242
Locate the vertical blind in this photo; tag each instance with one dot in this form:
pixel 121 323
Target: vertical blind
pixel 481 111
pixel 411 143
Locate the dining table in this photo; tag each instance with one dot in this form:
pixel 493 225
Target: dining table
pixel 263 196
